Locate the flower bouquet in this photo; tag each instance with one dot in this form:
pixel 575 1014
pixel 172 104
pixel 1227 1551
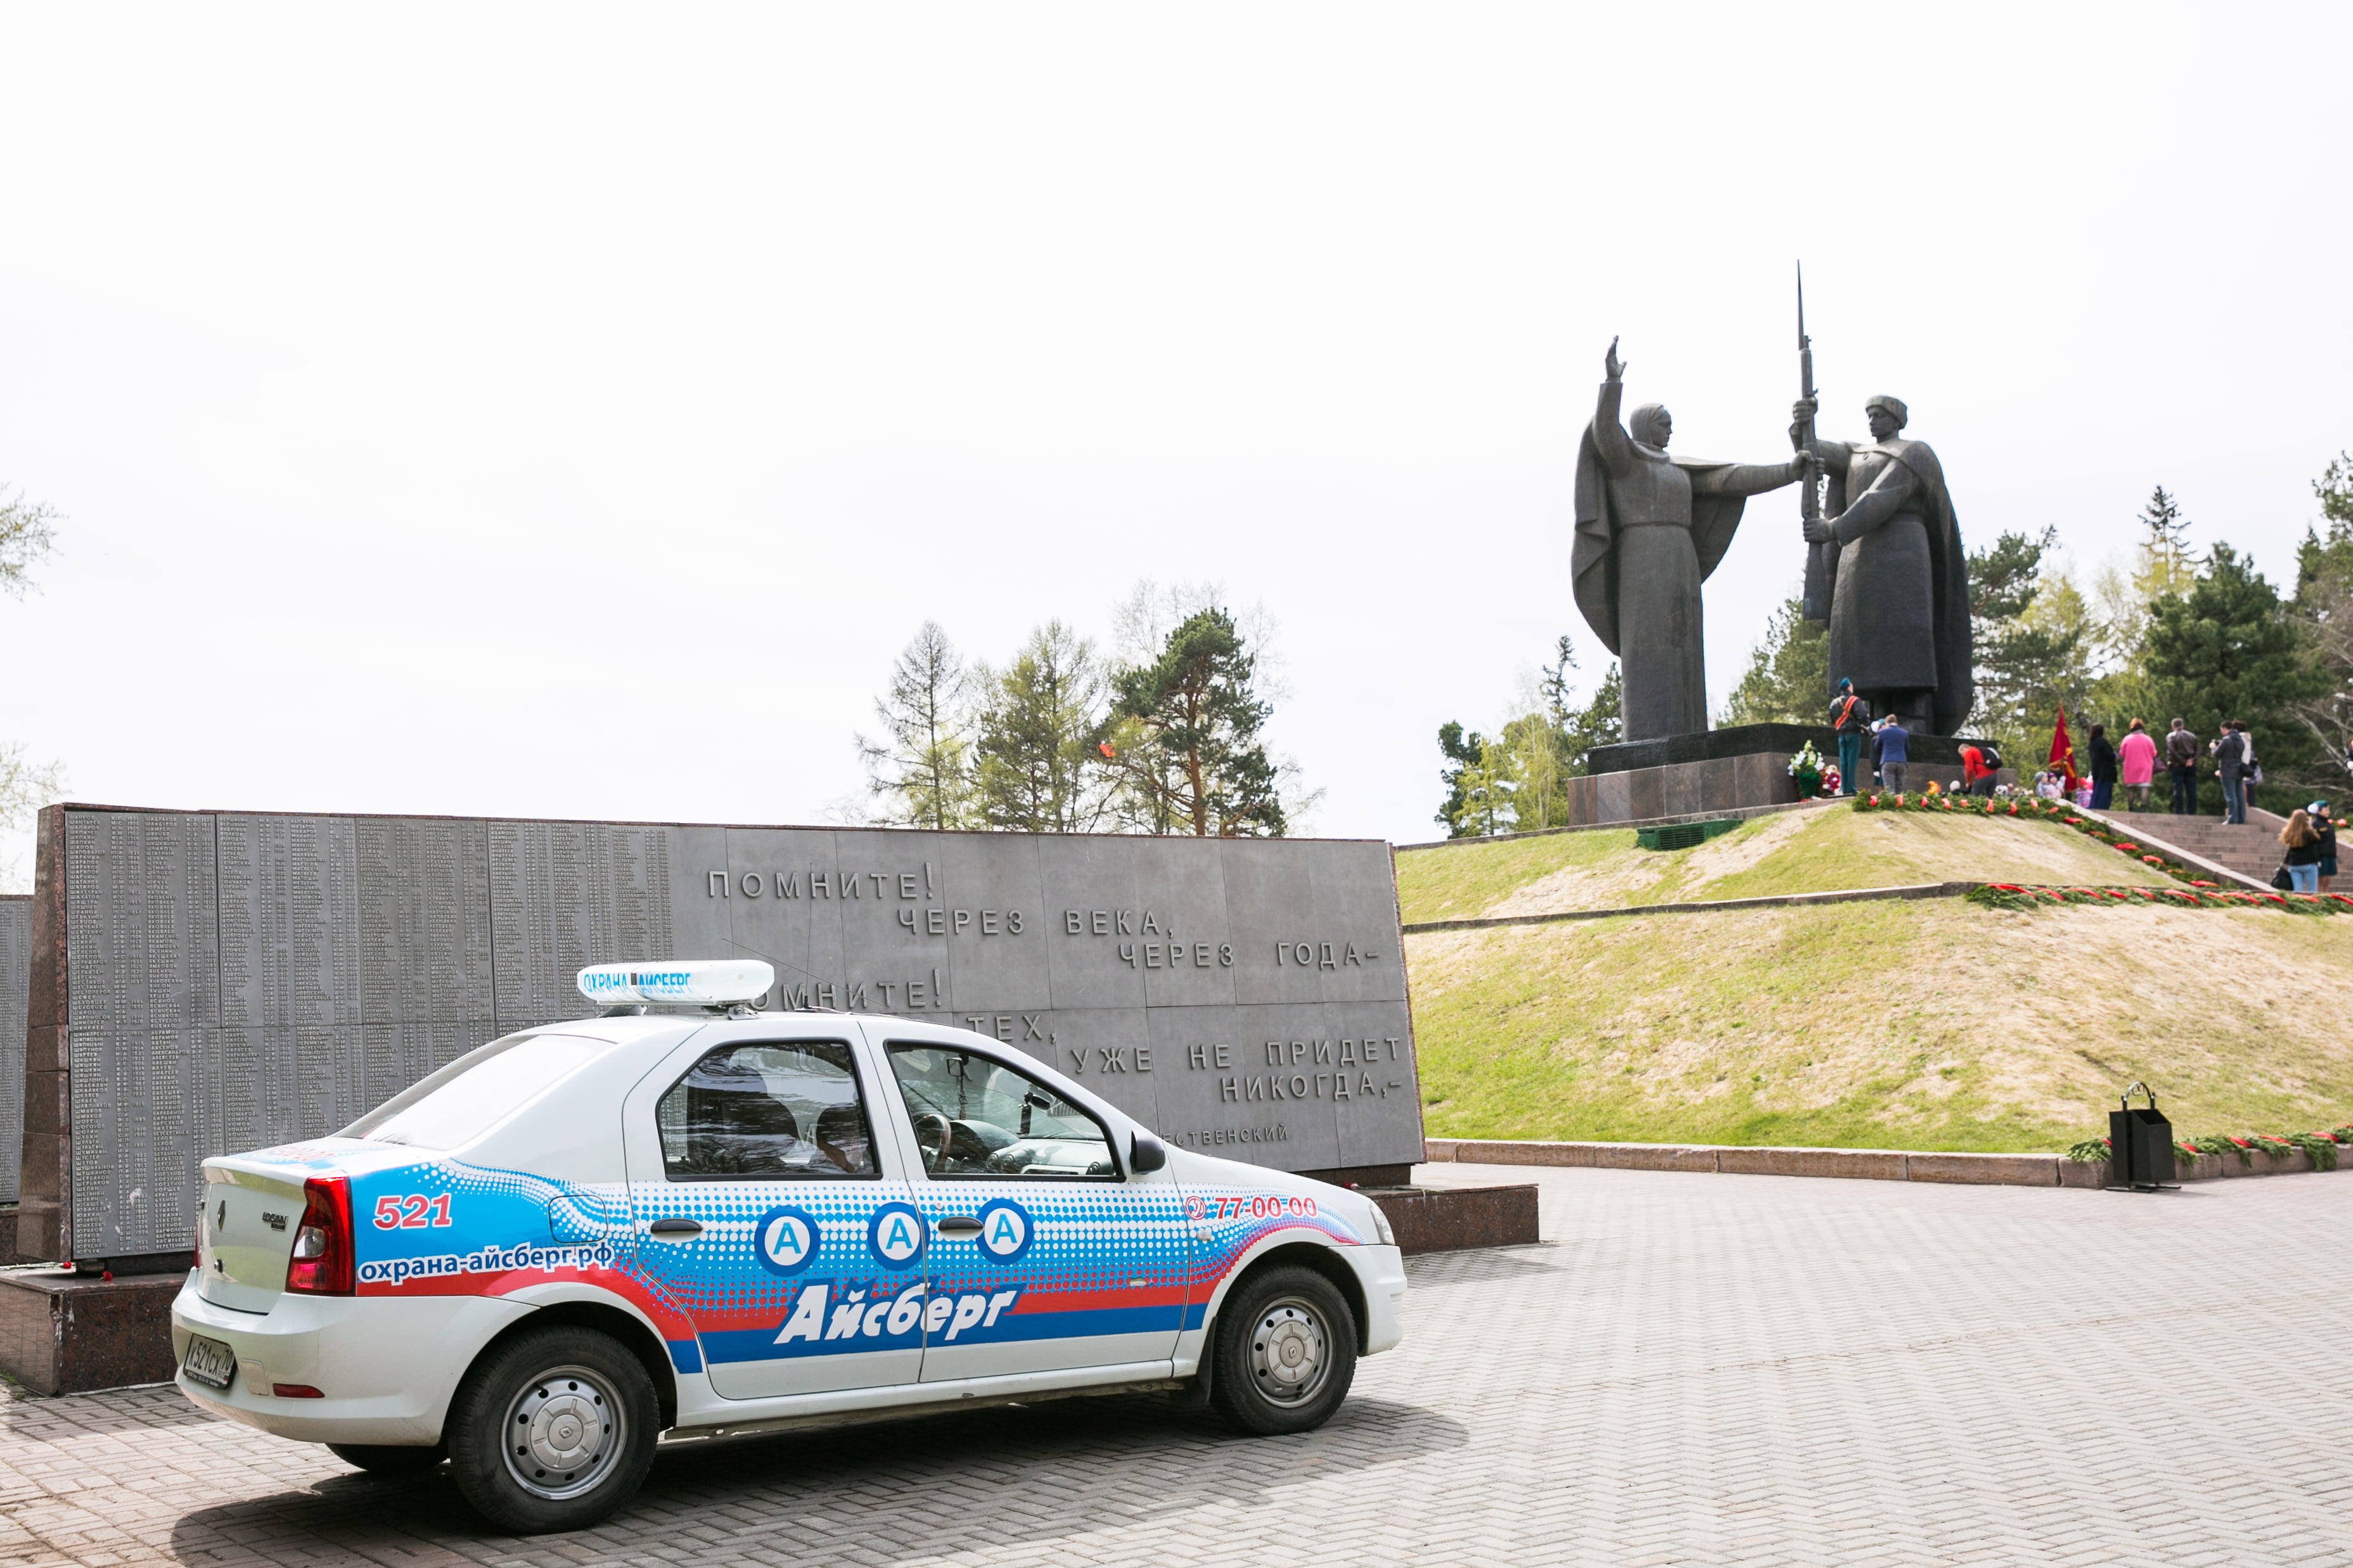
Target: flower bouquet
pixel 1806 767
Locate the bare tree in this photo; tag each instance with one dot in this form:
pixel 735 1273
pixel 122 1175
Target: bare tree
pixel 25 538
pixel 25 786
pixel 921 769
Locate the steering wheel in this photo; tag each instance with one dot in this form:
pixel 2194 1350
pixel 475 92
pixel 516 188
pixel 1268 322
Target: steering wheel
pixel 932 1155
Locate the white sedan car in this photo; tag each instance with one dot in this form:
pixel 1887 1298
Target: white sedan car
pixel 541 1258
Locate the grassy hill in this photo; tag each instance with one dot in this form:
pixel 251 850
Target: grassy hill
pixel 1810 852
pixel 1930 1025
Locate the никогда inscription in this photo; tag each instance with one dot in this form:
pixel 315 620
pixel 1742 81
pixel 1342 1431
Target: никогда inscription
pixel 233 980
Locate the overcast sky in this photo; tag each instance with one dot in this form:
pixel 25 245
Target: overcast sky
pixel 570 412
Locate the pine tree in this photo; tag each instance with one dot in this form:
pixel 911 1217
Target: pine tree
pixel 2032 655
pixel 1789 677
pixel 1192 723
pixel 2230 649
pixel 1463 751
pixel 2162 562
pixel 1488 788
pixel 923 771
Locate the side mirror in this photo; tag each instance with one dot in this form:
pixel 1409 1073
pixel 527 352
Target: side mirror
pixel 1146 1153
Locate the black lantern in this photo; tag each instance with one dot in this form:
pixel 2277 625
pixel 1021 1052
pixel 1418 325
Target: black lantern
pixel 2140 1145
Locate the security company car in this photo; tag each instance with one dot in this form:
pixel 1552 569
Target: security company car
pixel 688 1216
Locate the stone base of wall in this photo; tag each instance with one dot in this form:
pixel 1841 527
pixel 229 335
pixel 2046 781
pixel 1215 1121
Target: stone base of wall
pixel 68 1333
pixel 1679 789
pixel 1741 766
pixel 1448 1219
pixel 1865 1165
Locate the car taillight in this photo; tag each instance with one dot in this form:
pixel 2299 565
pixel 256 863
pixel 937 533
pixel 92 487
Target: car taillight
pixel 322 1263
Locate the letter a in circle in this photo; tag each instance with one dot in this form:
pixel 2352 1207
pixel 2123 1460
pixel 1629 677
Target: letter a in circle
pixel 895 1235
pixel 1006 1231
pixel 785 1240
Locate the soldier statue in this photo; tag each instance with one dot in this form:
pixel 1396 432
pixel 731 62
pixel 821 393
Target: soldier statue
pixel 1888 571
pixel 1649 528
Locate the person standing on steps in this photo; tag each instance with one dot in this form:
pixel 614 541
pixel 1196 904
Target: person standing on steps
pixel 2302 841
pixel 1851 716
pixel 1893 744
pixel 2137 763
pixel 2182 761
pixel 2104 769
pixel 2231 762
pixel 2327 826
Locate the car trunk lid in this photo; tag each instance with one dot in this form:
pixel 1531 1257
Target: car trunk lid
pixel 253 1208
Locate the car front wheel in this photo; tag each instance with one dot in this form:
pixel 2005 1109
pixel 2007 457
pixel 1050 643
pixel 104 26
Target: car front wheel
pixel 1286 1352
pixel 552 1430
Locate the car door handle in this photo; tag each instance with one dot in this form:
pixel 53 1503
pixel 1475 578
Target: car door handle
pixel 679 1228
pixel 958 1225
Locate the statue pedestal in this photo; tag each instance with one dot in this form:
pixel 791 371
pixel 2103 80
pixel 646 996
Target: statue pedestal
pixel 1712 771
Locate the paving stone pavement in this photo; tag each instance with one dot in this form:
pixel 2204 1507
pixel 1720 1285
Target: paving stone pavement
pixel 1739 1370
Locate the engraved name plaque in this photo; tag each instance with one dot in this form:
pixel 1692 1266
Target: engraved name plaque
pixel 15 977
pixel 218 981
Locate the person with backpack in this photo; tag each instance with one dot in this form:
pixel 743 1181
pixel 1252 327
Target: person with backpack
pixel 1980 762
pixel 1849 717
pixel 2182 761
pixel 2302 841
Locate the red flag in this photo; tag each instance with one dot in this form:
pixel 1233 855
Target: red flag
pixel 2061 749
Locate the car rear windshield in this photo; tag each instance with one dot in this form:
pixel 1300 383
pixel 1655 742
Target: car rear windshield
pixel 473 1094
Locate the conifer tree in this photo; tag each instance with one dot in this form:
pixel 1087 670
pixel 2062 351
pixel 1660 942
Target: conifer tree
pixel 2230 649
pixel 1040 738
pixel 1462 751
pixel 1192 723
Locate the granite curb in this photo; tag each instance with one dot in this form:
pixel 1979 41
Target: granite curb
pixel 1854 1165
pixel 1774 900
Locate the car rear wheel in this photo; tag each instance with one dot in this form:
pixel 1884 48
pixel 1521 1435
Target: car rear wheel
pixel 552 1430
pixel 1286 1352
pixel 382 1459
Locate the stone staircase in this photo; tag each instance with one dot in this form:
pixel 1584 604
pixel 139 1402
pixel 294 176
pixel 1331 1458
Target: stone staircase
pixel 2251 848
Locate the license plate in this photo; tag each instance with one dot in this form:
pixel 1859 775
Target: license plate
pixel 210 1361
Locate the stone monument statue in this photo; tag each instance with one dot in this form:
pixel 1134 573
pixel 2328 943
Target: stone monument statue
pixel 1897 587
pixel 1649 528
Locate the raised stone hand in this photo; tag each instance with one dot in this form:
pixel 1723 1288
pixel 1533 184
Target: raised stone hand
pixel 1611 365
pixel 1803 410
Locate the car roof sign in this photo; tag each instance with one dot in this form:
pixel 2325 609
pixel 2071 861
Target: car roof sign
pixel 704 982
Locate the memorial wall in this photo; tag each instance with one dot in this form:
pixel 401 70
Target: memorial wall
pixel 229 981
pixel 16 975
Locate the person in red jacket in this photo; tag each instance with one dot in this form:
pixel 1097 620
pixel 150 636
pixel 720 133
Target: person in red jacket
pixel 1975 777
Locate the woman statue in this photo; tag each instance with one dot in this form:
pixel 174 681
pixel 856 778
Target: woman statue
pixel 1649 528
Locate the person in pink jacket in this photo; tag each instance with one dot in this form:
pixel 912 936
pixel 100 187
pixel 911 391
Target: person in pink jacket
pixel 2137 764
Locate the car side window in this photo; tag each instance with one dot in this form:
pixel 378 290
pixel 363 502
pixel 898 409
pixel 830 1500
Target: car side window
pixel 974 1116
pixel 766 1112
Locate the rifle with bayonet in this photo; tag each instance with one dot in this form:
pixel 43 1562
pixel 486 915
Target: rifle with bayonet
pixel 1809 495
